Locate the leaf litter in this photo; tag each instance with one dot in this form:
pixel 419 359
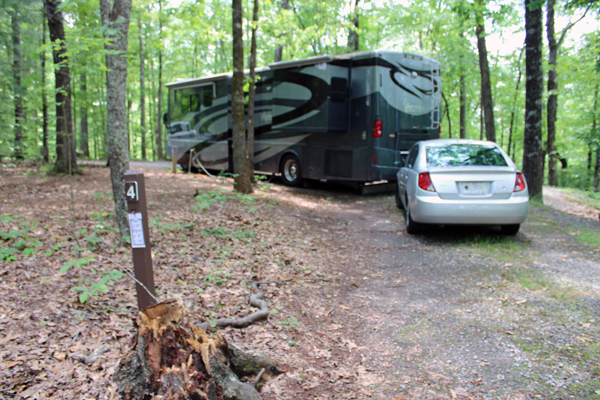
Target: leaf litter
pixel 208 246
pixel 359 310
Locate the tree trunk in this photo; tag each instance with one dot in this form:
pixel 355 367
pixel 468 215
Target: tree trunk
pixel 65 145
pixel 534 91
pixel 285 5
pixel 596 134
pixel 552 95
pixel 152 118
pixel 130 135
pixel 597 171
pixel 17 87
pixel 552 106
pixel 481 119
pixel 116 14
pixel 84 138
pixel 240 161
pixel 159 137
pixel 353 34
pixel 142 92
pixel 486 86
pixel 252 93
pixel 448 116
pixel 463 105
pixel 512 113
pixel 159 144
pixel 462 87
pixel 45 151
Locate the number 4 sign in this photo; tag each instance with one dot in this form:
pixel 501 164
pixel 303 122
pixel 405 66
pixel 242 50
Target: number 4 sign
pixel 131 192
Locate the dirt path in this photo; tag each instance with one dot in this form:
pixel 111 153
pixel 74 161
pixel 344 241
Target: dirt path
pixel 466 312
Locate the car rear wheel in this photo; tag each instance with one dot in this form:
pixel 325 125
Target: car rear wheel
pixel 290 170
pixel 398 199
pixel 412 227
pixel 510 229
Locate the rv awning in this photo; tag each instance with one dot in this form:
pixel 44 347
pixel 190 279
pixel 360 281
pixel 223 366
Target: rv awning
pixel 304 61
pixel 197 81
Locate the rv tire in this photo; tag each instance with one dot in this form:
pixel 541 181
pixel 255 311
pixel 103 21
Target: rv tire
pixel 290 170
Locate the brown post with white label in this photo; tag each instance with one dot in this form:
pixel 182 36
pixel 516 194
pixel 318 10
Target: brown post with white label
pixel 135 190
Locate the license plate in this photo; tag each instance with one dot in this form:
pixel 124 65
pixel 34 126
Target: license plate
pixel 474 188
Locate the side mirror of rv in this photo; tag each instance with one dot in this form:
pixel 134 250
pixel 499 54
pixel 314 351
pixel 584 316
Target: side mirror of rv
pixel 166 118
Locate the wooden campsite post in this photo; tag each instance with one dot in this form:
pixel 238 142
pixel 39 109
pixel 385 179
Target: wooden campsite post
pixel 174 159
pixel 135 190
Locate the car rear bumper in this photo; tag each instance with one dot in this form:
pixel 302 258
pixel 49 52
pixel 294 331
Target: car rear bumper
pixel 434 210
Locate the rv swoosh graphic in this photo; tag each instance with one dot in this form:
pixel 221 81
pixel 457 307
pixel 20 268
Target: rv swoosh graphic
pixel 319 90
pixel 263 151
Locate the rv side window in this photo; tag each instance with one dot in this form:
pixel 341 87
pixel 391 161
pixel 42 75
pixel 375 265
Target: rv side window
pixel 339 89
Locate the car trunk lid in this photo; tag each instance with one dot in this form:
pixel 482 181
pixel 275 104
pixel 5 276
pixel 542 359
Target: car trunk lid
pixel 461 183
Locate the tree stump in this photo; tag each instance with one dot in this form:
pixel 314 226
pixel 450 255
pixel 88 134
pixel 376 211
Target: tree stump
pixel 178 361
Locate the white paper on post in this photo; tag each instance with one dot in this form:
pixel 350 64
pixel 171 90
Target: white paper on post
pixel 136 229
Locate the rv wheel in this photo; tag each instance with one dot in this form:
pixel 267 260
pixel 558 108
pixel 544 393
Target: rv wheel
pixel 290 170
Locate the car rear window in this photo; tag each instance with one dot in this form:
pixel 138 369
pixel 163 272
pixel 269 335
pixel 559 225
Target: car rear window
pixel 455 155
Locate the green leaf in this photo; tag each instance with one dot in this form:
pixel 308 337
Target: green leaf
pixel 66 267
pixel 83 297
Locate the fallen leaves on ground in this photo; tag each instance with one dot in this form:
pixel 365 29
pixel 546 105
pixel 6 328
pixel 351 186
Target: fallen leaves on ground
pixel 206 255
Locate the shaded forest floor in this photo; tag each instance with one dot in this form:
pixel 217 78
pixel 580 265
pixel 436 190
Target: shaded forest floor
pixel 359 310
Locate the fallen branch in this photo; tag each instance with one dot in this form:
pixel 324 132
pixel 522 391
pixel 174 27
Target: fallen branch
pixel 92 358
pixel 255 301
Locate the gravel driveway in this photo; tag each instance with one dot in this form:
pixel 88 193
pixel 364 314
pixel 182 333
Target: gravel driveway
pixel 464 312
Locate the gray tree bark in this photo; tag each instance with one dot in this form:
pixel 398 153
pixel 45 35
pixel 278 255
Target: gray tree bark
pixel 45 151
pixel 552 106
pixel 285 5
pixel 142 92
pixel 65 145
pixel 552 95
pixel 116 15
pixel 252 93
pixel 533 154
pixel 512 113
pixel 596 133
pixel 462 84
pixel 240 160
pixel 159 140
pixel 486 86
pixel 84 146
pixel 353 34
pixel 17 87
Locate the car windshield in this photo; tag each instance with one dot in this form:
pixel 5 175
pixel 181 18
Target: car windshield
pixel 453 155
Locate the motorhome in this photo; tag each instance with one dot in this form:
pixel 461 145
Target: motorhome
pixel 349 118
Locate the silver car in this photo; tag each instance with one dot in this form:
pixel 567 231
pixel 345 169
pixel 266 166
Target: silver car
pixel 457 181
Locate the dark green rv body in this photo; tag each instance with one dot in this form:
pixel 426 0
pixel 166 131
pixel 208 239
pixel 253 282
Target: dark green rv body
pixel 340 118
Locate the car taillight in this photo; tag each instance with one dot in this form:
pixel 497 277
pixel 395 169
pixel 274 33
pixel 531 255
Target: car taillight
pixel 378 128
pixel 440 132
pixel 520 184
pixel 425 182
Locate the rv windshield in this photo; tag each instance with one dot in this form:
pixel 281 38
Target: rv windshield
pixel 186 103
